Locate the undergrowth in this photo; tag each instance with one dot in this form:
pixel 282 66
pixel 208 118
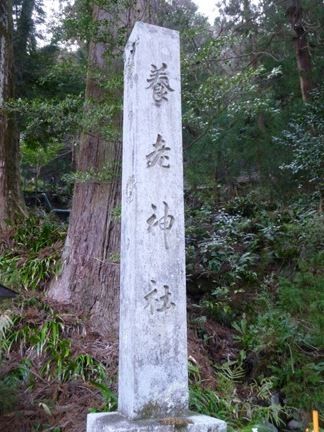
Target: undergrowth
pixel 258 267
pixel 41 347
pixel 254 267
pixel 30 254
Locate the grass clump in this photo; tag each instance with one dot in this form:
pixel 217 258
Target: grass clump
pixel 30 254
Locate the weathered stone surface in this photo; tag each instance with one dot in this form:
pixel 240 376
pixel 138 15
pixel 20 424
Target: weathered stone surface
pixel 153 342
pixel 114 422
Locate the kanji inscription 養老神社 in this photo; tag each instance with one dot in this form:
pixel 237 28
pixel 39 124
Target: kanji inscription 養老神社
pixel 152 240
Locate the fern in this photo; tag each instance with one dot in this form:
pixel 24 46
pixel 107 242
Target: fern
pixel 231 371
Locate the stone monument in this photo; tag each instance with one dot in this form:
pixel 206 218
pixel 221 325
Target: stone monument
pixel 153 375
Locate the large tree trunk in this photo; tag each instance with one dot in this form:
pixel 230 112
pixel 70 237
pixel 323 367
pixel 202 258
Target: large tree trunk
pixel 24 43
pixel 90 275
pixel 303 57
pixel 11 203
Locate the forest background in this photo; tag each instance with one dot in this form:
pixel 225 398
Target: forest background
pixel 254 159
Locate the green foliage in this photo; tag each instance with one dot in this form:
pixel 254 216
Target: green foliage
pixel 48 121
pixel 35 158
pixel 11 383
pixel 39 157
pixel 236 403
pixel 34 253
pixel 304 136
pixel 26 14
pixel 206 402
pixel 277 315
pixel 109 397
pixel 254 262
pixel 106 174
pixel 5 324
pixel 65 76
pixel 47 343
pixel 235 245
pixel 8 393
pixel 221 113
pixel 286 336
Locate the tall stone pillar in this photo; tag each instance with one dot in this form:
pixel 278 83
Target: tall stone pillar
pixel 153 375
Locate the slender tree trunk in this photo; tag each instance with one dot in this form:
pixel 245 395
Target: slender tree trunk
pixel 90 274
pixel 303 57
pixel 255 63
pixel 11 202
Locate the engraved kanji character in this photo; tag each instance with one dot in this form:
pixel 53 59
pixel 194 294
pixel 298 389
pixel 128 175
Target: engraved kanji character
pixel 156 303
pixel 165 223
pixel 158 155
pixel 159 82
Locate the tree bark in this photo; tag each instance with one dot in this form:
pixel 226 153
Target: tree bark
pixel 24 43
pixel 303 57
pixel 89 278
pixel 11 202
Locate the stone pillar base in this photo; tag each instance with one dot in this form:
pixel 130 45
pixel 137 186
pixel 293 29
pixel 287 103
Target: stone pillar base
pixel 115 422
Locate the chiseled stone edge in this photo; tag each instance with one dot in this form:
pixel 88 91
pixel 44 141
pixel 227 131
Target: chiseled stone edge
pixel 114 422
